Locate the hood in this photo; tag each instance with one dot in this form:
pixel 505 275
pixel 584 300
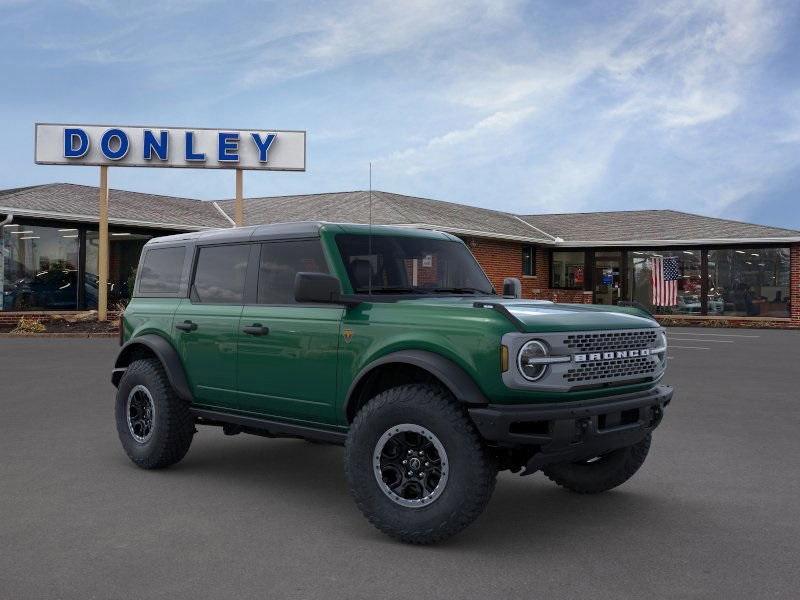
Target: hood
pixel 539 316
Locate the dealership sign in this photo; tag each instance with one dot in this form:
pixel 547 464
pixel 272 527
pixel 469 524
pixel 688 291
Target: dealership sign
pixel 193 148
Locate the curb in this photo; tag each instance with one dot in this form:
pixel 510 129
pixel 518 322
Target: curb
pixel 58 335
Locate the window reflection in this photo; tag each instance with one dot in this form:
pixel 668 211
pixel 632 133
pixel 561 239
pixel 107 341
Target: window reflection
pixel 747 282
pixel 568 270
pixel 662 290
pixel 125 248
pixel 39 268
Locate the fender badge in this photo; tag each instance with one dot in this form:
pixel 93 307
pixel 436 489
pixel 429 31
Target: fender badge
pixel 348 335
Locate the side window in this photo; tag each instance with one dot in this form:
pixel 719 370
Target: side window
pixel 528 260
pixel 161 271
pixel 280 262
pixel 220 274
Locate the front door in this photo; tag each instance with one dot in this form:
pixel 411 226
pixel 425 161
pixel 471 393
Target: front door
pixel 207 324
pixel 288 352
pixel 607 277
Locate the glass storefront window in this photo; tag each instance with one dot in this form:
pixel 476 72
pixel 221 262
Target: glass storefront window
pixel 606 280
pixel 568 270
pixel 746 282
pixel 125 248
pixel 39 268
pixel 679 288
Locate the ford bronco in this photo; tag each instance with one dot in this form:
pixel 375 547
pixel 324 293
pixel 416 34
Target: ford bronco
pixel 392 342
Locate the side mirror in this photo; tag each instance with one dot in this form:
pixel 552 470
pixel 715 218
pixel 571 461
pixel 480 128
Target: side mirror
pixel 316 287
pixel 512 288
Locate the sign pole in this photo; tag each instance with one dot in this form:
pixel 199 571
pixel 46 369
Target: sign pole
pixel 102 255
pixel 239 209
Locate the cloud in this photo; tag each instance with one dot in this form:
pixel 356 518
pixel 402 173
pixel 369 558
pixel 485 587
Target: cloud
pixel 583 103
pixel 693 68
pixel 463 146
pixel 327 39
pixel 546 106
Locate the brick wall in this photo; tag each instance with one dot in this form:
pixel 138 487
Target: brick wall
pixel 13 317
pixel 501 259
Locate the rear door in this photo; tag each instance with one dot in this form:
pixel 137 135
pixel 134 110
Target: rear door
pixel 207 323
pixel 288 352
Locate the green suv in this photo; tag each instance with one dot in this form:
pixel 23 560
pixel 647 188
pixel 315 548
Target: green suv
pixel 393 343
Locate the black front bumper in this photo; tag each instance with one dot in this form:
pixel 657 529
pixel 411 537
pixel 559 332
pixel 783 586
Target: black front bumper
pixel 561 432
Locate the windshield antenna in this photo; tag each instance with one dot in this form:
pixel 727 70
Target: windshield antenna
pixel 369 252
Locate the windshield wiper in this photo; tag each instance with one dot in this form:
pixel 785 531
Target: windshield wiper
pixel 460 290
pixel 390 290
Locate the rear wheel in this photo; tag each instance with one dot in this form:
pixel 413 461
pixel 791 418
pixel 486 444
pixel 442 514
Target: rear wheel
pixel 153 424
pixel 600 473
pixel 416 466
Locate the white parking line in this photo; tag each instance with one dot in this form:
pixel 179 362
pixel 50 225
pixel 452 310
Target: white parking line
pixel 689 347
pixel 736 335
pixel 701 340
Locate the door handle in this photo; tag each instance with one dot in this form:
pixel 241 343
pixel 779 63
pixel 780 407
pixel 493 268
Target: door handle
pixel 186 326
pixel 256 329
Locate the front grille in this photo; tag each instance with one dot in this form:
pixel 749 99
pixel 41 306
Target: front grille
pixel 612 369
pixel 592 359
pixel 612 340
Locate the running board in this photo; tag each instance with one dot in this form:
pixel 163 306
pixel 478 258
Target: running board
pixel 269 427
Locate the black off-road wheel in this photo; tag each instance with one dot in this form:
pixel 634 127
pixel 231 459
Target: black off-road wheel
pixel 601 473
pixel 416 466
pixel 153 424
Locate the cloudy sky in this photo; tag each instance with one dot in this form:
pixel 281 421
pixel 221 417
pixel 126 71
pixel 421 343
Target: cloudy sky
pixel 556 106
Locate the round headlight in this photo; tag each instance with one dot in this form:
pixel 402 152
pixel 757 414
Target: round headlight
pixel 528 360
pixel 662 343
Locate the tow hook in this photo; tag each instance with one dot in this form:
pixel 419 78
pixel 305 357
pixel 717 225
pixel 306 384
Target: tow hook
pixel 581 427
pixel 656 416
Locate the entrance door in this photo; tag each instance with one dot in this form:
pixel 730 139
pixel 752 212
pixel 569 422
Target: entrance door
pixel 207 324
pixel 288 352
pixel 607 277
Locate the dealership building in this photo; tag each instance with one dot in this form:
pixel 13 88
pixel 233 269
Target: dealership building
pixel 722 272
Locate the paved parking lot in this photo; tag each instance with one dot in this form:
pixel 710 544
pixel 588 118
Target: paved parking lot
pixel 714 513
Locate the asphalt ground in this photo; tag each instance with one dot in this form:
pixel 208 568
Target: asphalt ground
pixel 714 512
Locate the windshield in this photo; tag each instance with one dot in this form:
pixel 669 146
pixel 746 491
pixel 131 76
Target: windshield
pixel 410 265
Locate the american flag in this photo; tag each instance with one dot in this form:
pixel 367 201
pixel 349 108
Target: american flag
pixel 664 276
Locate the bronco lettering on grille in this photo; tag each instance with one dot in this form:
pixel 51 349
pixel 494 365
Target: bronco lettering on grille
pixel 593 356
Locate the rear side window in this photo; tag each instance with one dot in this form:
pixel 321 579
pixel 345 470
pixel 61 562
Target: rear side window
pixel 220 274
pixel 280 262
pixel 161 271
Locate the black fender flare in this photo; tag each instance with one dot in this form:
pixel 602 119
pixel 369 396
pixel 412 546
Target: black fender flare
pixel 458 381
pixel 165 353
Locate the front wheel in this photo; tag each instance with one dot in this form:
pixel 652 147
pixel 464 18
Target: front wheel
pixel 600 473
pixel 416 466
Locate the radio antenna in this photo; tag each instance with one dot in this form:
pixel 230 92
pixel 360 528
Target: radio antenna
pixel 369 252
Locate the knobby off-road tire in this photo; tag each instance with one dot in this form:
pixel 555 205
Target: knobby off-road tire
pixel 601 474
pixel 143 389
pixel 467 478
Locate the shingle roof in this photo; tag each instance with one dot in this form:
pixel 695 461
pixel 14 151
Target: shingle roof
pixel 387 209
pixel 79 202
pixel 651 226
